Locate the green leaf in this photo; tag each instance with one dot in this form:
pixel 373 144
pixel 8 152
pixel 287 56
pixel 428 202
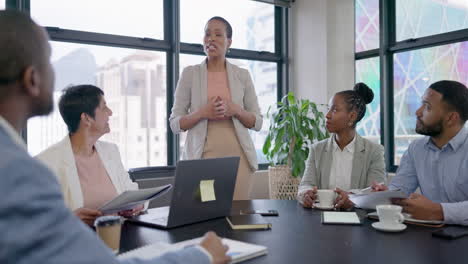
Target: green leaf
pixel 295 123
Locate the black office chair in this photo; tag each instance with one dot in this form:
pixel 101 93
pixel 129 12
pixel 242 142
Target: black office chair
pixel 149 177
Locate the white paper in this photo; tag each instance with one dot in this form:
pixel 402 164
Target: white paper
pixel 239 251
pixel 341 218
pixel 129 199
pixel 371 200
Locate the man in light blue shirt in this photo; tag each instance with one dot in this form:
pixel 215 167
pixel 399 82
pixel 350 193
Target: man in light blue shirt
pixel 35 225
pixel 438 163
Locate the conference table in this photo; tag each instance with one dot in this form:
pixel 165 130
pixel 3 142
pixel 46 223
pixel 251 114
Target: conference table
pixel 298 236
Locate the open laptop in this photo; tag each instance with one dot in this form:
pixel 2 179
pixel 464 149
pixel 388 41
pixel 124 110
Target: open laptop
pixel 186 205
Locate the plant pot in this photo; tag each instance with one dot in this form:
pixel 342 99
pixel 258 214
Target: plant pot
pixel 282 185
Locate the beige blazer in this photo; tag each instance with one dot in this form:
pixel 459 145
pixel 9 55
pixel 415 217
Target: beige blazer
pixel 59 158
pixel 191 95
pixel 368 164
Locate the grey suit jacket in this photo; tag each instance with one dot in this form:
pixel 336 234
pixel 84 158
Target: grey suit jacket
pixel 35 225
pixel 191 95
pixel 368 164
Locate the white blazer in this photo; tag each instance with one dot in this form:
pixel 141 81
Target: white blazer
pixel 60 159
pixel 191 95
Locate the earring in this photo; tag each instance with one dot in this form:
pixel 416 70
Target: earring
pixel 350 124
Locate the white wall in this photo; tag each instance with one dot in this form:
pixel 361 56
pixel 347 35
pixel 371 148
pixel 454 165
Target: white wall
pixel 321 48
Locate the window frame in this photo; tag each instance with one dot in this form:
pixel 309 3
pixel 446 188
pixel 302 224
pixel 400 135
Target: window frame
pixel 173 47
pixel 388 47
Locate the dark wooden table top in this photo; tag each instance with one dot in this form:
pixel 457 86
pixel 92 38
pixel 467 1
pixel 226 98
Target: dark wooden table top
pixel 298 236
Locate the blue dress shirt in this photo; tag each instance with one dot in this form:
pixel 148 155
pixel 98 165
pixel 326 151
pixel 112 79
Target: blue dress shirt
pixel 441 174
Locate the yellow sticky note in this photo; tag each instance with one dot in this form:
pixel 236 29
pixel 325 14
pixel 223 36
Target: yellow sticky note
pixel 207 191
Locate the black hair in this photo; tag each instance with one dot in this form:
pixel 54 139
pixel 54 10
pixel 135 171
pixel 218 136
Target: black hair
pixel 454 94
pixel 357 99
pixel 21 45
pixel 76 100
pixel 226 23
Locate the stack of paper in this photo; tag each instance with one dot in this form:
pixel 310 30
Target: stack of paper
pixel 371 200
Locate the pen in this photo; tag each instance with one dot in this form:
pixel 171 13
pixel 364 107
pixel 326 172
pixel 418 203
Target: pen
pixel 370 187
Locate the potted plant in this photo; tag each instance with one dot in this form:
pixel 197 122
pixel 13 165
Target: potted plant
pixel 295 124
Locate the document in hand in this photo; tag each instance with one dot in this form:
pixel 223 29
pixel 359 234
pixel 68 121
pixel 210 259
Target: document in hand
pixel 129 199
pixel 371 200
pixel 238 251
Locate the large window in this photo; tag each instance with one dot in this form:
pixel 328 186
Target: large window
pixel 133 82
pixel 430 43
pixel 252 22
pixel 142 19
pixel 367 25
pixel 128 50
pixel 414 71
pixel 421 18
pixel 2 4
pixel 368 72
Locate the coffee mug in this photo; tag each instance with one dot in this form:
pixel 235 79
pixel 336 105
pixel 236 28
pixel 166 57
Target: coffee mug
pixel 326 198
pixel 109 228
pixel 390 215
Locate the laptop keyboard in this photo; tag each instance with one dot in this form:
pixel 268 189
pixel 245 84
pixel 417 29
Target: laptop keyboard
pixel 159 216
pixel 160 220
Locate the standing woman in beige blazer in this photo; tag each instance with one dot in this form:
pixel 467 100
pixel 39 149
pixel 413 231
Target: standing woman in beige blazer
pixel 215 102
pixel 345 161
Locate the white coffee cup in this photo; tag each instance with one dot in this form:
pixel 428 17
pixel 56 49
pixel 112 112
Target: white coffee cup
pixel 390 215
pixel 326 198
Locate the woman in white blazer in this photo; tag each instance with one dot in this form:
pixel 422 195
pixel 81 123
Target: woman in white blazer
pixel 345 161
pixel 216 103
pixel 90 172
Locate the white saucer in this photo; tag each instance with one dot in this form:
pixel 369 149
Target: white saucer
pixel 397 228
pixel 324 207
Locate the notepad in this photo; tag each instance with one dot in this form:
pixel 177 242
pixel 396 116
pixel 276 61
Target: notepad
pixel 346 218
pixel 251 221
pixel 238 251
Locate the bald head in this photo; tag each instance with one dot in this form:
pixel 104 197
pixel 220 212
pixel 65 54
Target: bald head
pixel 26 74
pixel 22 43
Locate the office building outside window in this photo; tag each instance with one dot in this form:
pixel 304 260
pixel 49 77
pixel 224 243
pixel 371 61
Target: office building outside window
pixel 134 87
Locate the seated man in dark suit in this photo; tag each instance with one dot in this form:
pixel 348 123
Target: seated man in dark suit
pixel 35 225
